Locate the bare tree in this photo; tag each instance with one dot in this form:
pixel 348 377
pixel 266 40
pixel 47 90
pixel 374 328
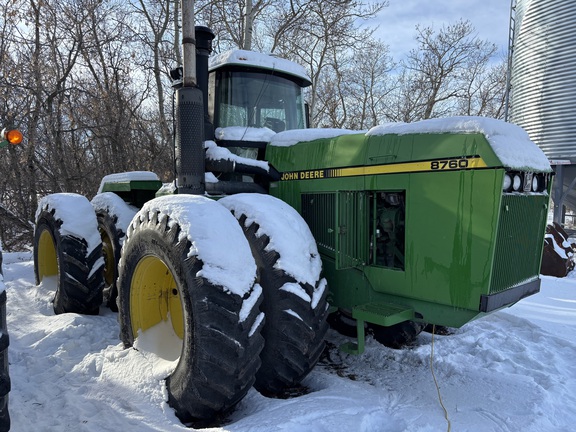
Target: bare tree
pixel 153 31
pixel 485 93
pixel 318 34
pixel 227 18
pixel 87 82
pixel 80 98
pixel 369 84
pixel 439 70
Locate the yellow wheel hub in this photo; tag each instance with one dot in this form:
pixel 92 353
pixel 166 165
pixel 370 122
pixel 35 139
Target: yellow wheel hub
pixel 47 258
pixel 109 260
pixel 154 297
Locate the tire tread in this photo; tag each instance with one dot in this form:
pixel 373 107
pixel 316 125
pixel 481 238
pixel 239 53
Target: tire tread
pixel 222 364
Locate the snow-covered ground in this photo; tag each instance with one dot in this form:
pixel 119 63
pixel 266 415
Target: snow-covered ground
pixel 512 371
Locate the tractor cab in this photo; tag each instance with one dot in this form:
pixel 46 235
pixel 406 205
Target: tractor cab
pixel 254 90
pixel 248 97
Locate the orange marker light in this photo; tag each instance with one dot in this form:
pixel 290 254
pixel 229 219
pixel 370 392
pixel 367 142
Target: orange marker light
pixel 13 136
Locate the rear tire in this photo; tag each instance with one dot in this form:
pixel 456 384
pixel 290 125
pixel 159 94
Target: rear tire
pixel 113 215
pixel 216 328
pixel 295 310
pixel 67 246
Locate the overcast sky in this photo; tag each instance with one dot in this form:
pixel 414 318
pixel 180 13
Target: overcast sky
pixel 398 21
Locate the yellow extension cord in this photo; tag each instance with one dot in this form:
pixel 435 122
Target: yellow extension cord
pixel 436 382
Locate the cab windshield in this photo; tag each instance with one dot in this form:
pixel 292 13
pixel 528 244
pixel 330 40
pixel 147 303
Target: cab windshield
pixel 257 99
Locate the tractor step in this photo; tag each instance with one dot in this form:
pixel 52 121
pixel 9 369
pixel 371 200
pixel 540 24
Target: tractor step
pixel 384 314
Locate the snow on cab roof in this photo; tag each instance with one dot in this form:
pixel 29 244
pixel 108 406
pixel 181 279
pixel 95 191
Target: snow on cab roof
pixel 255 59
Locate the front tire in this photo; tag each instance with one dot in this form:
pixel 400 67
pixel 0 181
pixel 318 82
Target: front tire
pixel 186 265
pixel 294 293
pixel 68 247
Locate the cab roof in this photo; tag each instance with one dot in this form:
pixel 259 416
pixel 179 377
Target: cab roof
pixel 253 59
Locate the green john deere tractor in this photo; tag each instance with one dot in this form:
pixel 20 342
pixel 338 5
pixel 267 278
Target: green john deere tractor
pixel 436 222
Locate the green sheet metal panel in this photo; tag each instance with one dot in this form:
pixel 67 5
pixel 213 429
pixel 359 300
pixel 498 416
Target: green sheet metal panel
pixel 453 191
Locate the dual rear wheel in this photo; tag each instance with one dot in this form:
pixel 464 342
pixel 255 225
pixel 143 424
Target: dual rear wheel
pixel 295 294
pixel 211 318
pixel 186 272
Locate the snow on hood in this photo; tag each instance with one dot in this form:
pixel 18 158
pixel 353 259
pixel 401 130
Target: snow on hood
pixel 510 142
pixel 125 177
pixel 216 238
pixel 295 136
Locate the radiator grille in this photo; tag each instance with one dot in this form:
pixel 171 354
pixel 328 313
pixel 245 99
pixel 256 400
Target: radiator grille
pixel 351 247
pixel 519 242
pixel 318 211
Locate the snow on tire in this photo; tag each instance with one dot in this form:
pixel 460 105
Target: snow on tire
pixel 4 342
pixel 295 305
pixel 114 216
pixel 67 246
pixel 187 279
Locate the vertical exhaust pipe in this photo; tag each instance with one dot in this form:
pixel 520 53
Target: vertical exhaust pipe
pixel 204 37
pixel 189 114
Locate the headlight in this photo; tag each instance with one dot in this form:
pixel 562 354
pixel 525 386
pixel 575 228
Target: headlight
pixel 540 182
pixel 516 182
pixel 507 182
pixel 536 183
pixel 524 182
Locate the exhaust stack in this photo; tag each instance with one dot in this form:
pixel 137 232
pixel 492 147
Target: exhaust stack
pixel 189 114
pixel 204 38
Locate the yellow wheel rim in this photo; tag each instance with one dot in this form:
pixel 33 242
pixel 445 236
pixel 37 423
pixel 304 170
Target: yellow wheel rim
pixel 154 297
pixel 109 259
pixel 47 257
